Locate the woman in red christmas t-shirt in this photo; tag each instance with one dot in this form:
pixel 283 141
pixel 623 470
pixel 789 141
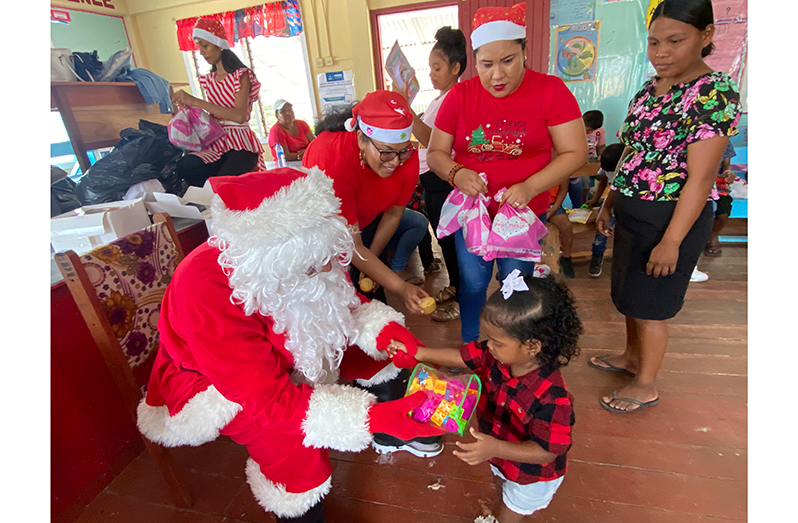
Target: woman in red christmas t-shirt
pixel 231 88
pixel 505 123
pixel 367 152
pixel 292 134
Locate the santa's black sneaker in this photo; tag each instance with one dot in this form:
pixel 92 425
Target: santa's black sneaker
pixel 567 267
pixel 595 266
pixel 422 450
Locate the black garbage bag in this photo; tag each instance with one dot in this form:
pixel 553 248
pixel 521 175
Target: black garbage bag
pixel 88 66
pixel 62 192
pixel 142 154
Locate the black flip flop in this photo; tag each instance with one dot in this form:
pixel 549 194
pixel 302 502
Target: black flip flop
pixel 641 404
pixel 609 366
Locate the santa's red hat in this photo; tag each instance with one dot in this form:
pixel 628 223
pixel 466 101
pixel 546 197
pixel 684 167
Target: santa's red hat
pixel 498 23
pixel 279 203
pixel 211 31
pixel 384 116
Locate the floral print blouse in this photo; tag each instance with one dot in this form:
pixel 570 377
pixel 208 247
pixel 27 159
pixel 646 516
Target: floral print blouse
pixel 659 129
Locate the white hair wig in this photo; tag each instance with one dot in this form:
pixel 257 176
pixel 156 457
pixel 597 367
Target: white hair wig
pixel 274 255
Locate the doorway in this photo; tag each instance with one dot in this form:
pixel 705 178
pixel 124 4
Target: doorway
pixel 414 29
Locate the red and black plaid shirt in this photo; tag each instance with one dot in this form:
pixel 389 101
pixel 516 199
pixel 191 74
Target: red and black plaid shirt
pixel 535 406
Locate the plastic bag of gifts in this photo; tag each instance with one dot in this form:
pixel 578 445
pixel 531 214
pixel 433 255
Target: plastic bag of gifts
pixel 451 399
pixel 515 233
pixel 193 129
pixel 469 213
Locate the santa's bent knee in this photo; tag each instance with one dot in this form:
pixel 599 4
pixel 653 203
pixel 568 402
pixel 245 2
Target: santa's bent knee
pixel 278 499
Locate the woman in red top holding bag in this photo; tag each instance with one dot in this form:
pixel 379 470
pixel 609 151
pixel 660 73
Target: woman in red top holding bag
pixel 504 123
pixel 231 90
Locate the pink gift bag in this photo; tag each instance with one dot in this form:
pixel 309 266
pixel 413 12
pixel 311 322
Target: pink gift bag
pixel 455 205
pixel 469 213
pixel 515 233
pixel 476 227
pixel 193 129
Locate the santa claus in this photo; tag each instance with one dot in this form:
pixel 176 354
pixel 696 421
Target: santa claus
pixel 257 326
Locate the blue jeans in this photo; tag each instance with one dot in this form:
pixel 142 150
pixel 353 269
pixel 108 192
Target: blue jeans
pixel 600 241
pixel 412 228
pixel 475 275
pixel 575 192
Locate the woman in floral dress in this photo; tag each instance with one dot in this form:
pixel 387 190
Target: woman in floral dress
pixel 676 130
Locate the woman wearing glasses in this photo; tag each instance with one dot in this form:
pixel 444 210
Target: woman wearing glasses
pixel 366 150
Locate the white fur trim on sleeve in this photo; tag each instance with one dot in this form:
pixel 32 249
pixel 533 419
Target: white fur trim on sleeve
pixel 387 373
pixel 337 418
pixel 274 498
pixel 370 318
pixel 198 422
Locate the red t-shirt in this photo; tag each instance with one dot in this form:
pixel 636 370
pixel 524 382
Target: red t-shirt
pixel 290 143
pixel 507 138
pixel 363 193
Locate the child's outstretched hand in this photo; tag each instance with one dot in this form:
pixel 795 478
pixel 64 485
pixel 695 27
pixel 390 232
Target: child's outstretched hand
pixel 396 346
pixel 477 452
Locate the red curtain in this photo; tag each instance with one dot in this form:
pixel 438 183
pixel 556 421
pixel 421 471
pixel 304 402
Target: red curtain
pixel 274 19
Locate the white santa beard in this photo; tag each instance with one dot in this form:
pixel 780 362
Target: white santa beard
pixel 316 316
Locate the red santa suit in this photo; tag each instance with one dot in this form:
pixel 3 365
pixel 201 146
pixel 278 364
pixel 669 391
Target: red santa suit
pixel 234 337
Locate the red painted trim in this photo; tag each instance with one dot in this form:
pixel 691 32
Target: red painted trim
pixel 374 14
pixel 124 24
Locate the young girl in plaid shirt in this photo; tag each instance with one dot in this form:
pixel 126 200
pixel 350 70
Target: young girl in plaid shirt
pixel 525 413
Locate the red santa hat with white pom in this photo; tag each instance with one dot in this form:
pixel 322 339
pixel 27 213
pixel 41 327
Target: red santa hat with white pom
pixel 211 31
pixel 384 116
pixel 284 202
pixel 498 23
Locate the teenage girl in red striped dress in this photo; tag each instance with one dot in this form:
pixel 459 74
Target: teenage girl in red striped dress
pixel 231 90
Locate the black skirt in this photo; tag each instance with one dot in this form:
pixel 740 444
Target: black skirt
pixel 639 227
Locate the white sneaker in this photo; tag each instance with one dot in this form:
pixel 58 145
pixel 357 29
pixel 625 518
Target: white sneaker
pixel 422 450
pixel 698 275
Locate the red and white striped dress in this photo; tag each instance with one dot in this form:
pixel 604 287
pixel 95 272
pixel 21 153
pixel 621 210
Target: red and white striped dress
pixel 239 137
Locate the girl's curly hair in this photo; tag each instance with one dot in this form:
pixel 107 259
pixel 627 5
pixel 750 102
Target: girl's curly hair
pixel 545 312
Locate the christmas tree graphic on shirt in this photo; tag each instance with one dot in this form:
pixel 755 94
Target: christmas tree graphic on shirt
pixel 479 144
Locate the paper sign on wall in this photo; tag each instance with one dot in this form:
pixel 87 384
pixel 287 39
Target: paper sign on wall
pixel 563 12
pixel 730 10
pixel 577 51
pixel 335 90
pixel 652 4
pixel 731 39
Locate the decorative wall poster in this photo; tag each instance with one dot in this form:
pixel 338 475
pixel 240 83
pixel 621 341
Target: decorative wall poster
pixel 730 10
pixel 577 51
pixel 731 43
pixel 335 90
pixel 564 12
pixel 652 4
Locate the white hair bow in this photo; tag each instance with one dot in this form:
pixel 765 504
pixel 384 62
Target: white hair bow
pixel 513 282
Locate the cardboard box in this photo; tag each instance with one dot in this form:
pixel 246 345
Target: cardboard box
pixel 195 204
pixel 91 226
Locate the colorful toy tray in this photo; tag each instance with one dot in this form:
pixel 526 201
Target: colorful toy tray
pixel 451 399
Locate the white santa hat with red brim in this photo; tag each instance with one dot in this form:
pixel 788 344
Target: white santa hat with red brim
pixel 384 116
pixel 211 31
pixel 498 23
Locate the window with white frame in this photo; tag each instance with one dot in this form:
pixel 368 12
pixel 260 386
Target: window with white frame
pixel 280 64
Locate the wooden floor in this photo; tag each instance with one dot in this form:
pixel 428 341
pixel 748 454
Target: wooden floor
pixel 683 461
